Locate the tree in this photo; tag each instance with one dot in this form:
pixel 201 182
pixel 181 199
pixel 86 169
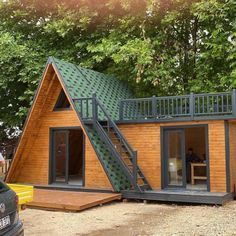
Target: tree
pixel 161 47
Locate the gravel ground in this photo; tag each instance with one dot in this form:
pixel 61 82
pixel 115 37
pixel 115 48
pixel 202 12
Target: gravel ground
pixel 134 219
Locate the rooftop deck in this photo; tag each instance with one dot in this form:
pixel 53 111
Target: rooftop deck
pixel 187 107
pixel 171 108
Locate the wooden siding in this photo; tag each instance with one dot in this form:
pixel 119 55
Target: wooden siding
pixel 216 132
pixel 232 142
pixel 145 138
pixel 31 163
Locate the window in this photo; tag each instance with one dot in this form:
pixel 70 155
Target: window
pixel 62 102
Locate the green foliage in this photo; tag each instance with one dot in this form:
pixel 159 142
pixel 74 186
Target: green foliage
pixel 159 47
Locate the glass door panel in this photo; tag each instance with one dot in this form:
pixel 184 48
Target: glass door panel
pixel 60 156
pixel 174 158
pixel 76 152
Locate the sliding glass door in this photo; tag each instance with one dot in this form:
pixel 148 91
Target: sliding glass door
pixel 174 158
pixel 67 156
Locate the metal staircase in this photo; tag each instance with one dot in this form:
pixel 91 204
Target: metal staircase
pixel 118 158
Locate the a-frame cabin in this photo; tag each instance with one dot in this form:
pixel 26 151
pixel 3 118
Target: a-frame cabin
pixel 82 123
pixel 57 144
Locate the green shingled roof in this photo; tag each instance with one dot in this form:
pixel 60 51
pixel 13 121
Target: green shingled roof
pixel 81 82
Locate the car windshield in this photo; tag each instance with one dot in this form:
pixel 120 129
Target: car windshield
pixel 3 187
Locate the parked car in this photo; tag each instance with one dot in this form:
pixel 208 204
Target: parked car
pixel 10 225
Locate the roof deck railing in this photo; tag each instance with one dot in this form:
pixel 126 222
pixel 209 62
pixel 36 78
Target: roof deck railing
pixel 192 106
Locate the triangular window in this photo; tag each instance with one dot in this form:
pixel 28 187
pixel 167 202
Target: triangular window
pixel 62 102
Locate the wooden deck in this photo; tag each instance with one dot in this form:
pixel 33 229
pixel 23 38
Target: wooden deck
pixel 69 200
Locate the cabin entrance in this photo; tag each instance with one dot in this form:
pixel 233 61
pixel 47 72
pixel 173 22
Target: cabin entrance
pixel 185 158
pixel 67 156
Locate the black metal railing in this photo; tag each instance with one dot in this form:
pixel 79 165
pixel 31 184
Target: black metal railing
pixel 213 104
pixel 187 106
pixel 85 107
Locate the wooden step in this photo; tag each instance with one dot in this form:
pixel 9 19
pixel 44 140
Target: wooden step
pixel 144 186
pixel 126 157
pixel 140 177
pixel 129 165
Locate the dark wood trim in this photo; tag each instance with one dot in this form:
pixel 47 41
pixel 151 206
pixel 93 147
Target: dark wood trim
pixel 84 146
pixel 62 109
pixel 67 155
pixel 175 120
pixel 50 164
pixel 227 157
pixel 207 158
pixel 162 151
pixel 180 196
pixel 184 167
pixel 65 127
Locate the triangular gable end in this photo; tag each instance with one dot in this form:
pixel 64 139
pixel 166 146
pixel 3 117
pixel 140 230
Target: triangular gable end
pixel 48 84
pixel 31 125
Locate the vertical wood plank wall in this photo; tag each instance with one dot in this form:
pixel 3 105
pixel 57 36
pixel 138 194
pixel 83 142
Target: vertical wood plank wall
pixel 33 164
pixel 217 156
pixel 145 138
pixel 232 141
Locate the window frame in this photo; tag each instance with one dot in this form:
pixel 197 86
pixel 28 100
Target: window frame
pixel 60 99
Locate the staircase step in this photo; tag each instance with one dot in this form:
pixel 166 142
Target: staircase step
pixel 141 177
pixel 113 132
pixel 144 186
pixel 139 172
pixel 130 165
pixel 106 127
pixel 130 158
pixel 115 138
pixel 124 151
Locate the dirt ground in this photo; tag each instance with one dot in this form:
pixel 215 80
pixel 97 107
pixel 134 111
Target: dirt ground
pixel 133 218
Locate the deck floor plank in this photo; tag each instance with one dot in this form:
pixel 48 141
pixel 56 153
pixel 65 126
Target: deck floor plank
pixel 69 200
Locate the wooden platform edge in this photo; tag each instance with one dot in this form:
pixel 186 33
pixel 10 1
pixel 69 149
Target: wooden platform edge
pixel 180 198
pixel 73 189
pixel 103 201
pixel 71 207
